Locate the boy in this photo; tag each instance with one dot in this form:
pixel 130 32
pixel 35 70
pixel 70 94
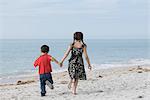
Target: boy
pixel 45 69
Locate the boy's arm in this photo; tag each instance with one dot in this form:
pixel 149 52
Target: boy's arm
pixel 36 63
pixel 54 60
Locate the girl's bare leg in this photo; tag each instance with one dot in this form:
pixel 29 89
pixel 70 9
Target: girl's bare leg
pixel 76 84
pixel 73 86
pixel 69 85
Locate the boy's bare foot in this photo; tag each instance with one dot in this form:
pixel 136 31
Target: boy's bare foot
pixel 49 85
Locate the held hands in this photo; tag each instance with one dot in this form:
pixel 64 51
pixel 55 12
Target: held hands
pixel 61 64
pixel 89 67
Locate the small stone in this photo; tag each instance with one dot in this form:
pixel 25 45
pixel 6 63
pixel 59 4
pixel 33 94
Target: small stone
pixel 100 91
pixel 130 70
pixel 139 71
pixel 139 68
pixel 100 76
pixel 19 82
pixel 140 96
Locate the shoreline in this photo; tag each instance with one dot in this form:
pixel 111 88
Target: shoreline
pixel 12 79
pixel 6 79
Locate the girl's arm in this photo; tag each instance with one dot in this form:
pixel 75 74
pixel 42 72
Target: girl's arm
pixel 87 58
pixel 66 54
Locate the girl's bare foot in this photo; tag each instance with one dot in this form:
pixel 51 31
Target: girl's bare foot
pixel 74 93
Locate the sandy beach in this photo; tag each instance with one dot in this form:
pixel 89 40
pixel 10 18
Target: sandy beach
pixel 128 83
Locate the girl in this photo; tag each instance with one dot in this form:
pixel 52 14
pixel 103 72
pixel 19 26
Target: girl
pixel 76 65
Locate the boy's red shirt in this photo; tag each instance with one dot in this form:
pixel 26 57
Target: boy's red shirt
pixel 44 63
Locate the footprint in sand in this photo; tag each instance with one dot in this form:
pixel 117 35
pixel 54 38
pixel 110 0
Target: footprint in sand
pixel 36 91
pixel 14 98
pixel 63 82
pixel 28 95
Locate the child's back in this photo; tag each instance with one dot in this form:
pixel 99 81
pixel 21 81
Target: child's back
pixel 44 63
pixel 45 69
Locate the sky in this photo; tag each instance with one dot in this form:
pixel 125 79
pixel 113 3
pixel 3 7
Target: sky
pixel 59 19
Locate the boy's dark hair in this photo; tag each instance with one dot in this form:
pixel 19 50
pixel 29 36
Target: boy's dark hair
pixel 44 48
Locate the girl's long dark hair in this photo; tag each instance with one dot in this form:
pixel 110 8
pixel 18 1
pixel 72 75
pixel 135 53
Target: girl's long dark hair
pixel 78 36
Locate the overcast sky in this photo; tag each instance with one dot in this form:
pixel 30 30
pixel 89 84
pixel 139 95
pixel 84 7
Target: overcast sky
pixel 61 18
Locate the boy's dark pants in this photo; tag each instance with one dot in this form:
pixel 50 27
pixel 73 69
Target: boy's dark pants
pixel 43 78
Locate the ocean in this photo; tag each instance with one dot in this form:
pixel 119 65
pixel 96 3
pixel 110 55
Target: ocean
pixel 17 55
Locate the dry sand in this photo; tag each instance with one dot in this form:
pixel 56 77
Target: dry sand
pixel 129 83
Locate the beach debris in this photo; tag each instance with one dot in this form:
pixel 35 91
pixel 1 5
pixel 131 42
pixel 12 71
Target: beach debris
pixel 100 76
pixel 100 91
pixel 63 93
pixel 140 71
pixel 130 69
pixel 6 85
pixel 140 96
pixel 24 82
pixel 146 70
pixel 139 68
pixel 133 69
pixel 19 82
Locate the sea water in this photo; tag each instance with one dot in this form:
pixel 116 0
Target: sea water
pixel 17 56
